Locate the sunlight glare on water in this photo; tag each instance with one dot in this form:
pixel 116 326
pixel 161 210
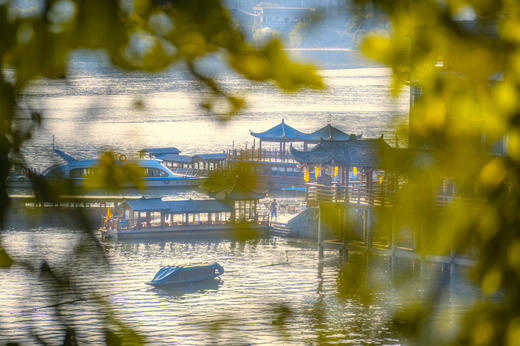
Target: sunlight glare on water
pixel 95 110
pixel 261 276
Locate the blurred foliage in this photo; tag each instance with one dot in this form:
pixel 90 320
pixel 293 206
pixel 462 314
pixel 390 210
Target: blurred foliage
pixel 240 177
pixel 113 175
pixel 460 59
pixel 36 39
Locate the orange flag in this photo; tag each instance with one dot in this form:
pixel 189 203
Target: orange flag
pixel 109 215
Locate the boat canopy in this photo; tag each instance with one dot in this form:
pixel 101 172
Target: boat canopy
pixel 210 157
pixel 175 158
pixel 160 151
pixel 145 204
pixel 198 206
pixel 179 207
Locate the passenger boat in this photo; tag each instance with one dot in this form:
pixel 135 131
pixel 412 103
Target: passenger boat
pixel 174 275
pixel 156 218
pixel 153 173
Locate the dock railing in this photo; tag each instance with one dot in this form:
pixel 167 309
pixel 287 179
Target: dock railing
pixel 361 195
pixel 353 194
pixel 253 154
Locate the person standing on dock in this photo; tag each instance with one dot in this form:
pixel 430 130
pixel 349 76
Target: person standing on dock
pixel 274 210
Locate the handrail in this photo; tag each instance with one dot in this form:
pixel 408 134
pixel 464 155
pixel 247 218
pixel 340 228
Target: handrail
pixel 362 195
pixel 253 154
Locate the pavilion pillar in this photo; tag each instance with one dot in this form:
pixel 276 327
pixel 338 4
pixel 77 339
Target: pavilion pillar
pixel 163 216
pixel 260 150
pixel 370 185
pixel 304 146
pixel 320 235
pixel 281 152
pixel 346 182
pixel 148 220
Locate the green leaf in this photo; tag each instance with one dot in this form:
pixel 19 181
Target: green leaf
pixel 5 260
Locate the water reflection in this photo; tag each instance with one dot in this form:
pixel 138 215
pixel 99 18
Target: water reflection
pixel 274 291
pixel 176 291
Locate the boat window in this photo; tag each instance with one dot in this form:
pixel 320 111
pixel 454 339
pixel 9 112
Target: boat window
pixel 152 172
pixel 279 171
pixel 293 171
pixel 82 172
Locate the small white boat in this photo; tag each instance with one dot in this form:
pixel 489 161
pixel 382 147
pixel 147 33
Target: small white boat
pixel 172 275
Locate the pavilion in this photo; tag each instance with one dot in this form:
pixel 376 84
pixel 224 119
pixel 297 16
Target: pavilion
pixel 359 158
pixel 283 133
pixel 328 132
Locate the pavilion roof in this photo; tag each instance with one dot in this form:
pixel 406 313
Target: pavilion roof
pixel 280 133
pixel 353 152
pixel 329 132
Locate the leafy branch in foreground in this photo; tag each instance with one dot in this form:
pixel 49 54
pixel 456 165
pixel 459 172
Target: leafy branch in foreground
pixel 144 35
pixel 460 60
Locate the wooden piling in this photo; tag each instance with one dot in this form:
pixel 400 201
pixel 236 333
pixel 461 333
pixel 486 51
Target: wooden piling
pixel 320 240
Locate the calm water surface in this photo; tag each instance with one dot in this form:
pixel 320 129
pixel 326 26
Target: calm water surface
pixel 263 278
pixel 95 110
pixel 267 281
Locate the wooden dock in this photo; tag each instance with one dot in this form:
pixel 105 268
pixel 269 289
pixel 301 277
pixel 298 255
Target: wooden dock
pixel 339 202
pixel 72 201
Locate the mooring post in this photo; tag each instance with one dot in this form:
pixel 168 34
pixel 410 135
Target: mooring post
pixel 393 237
pixel 320 246
pixel 341 226
pixel 367 229
pixel 452 262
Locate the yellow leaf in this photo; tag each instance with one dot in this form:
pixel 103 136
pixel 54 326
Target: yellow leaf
pixel 493 173
pixel 491 281
pixel 5 260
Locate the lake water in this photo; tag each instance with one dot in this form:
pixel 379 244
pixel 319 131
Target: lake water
pixel 274 291
pixel 266 281
pixel 95 110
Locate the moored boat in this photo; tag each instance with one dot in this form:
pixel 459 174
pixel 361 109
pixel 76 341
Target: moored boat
pixel 172 275
pixel 154 217
pixel 152 172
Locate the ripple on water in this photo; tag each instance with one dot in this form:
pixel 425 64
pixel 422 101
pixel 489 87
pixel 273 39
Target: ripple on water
pixel 273 291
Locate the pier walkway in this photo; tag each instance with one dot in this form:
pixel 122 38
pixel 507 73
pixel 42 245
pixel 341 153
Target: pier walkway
pixel 364 220
pixel 85 201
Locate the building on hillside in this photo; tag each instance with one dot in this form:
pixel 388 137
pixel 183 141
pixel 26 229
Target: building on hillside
pixel 282 19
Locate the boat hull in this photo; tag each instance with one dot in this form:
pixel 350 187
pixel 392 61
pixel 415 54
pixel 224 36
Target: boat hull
pixel 186 232
pixel 173 275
